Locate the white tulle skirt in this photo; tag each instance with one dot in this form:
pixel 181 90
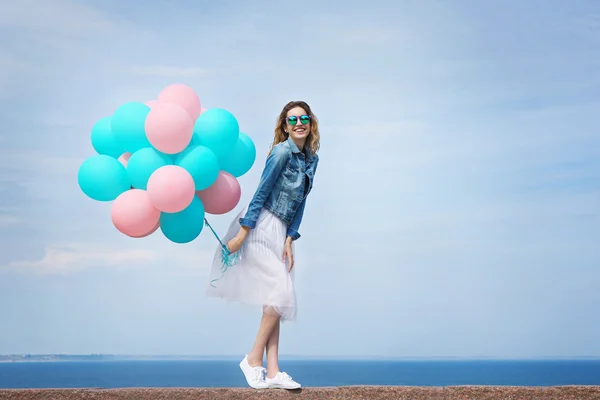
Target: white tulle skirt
pixel 260 277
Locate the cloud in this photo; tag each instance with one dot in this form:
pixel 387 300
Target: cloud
pixel 371 35
pixel 13 195
pixel 33 161
pixel 14 72
pixel 58 41
pixel 10 63
pixel 587 27
pixel 72 257
pixel 334 28
pixel 58 17
pixel 7 220
pixel 172 72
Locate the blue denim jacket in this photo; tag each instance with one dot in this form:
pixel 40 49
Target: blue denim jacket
pixel 284 185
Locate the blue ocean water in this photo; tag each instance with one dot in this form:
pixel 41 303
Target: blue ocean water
pixel 226 373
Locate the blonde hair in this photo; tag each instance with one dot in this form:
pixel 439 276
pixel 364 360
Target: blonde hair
pixel 313 139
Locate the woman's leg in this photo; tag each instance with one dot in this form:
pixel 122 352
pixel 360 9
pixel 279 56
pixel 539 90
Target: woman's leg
pixel 267 325
pixel 273 352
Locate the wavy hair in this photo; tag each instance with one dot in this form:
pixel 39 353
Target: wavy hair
pixel 313 139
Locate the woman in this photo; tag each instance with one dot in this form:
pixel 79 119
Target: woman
pixel 263 233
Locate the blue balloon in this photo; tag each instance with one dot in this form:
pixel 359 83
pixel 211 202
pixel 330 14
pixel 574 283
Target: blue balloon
pixel 194 142
pixel 103 140
pixel 218 130
pixel 103 178
pixel 183 226
pixel 241 158
pixel 143 163
pixel 128 126
pixel 201 163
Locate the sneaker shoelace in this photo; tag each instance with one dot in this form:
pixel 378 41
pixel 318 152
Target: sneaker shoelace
pixel 285 377
pixel 259 374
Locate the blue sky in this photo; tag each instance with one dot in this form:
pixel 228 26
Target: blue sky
pixel 455 211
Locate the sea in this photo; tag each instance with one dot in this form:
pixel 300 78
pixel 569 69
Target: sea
pixel 309 372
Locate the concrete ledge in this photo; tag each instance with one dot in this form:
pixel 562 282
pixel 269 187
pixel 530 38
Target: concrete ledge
pixel 352 392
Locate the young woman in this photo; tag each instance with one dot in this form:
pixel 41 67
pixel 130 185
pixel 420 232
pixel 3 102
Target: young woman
pixel 263 233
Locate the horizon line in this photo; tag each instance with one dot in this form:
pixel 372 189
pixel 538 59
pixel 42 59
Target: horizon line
pixel 295 356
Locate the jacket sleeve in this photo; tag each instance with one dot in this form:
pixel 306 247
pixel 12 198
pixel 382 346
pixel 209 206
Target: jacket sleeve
pixel 295 224
pixel 275 163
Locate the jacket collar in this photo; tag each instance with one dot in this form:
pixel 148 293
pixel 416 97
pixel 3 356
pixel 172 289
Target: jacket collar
pixel 296 150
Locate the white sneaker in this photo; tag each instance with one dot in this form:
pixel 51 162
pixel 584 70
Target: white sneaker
pixel 282 381
pixel 255 376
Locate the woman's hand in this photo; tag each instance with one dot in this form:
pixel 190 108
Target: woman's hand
pixel 235 244
pixel 288 254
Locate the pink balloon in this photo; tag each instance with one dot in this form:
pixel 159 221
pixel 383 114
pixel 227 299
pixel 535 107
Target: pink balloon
pixel 202 110
pixel 151 232
pixel 151 103
pixel 133 214
pixel 169 128
pixel 183 96
pixel 171 188
pixel 124 158
pixel 222 196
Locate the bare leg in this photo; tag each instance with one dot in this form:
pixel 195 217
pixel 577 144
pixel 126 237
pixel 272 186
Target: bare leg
pixel 273 352
pixel 267 324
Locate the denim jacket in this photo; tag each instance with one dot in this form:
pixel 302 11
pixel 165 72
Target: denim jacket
pixel 284 185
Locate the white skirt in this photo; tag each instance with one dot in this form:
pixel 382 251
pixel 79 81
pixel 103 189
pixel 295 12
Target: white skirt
pixel 260 277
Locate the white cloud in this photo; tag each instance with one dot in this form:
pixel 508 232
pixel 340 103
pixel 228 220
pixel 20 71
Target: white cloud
pixel 587 27
pixel 72 257
pixel 172 72
pixel 8 61
pixel 371 35
pixel 53 41
pixel 63 17
pixel 184 256
pixel 68 258
pixel 7 220
pixel 12 73
pixel 38 165
pixel 66 166
pixel 9 64
pixel 334 29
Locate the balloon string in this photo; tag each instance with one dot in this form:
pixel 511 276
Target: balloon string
pixel 214 233
pixel 228 258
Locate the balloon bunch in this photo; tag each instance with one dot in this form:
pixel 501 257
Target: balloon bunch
pixel 166 164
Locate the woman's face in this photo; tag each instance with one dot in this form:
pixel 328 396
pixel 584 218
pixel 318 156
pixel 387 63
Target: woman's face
pixel 297 123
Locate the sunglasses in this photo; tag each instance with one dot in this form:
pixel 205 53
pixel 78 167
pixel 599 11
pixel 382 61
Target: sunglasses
pixel 293 120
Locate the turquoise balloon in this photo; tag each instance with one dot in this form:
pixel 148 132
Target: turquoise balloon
pixel 201 163
pixel 194 142
pixel 183 226
pixel 103 178
pixel 218 130
pixel 241 158
pixel 103 140
pixel 143 163
pixel 128 126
